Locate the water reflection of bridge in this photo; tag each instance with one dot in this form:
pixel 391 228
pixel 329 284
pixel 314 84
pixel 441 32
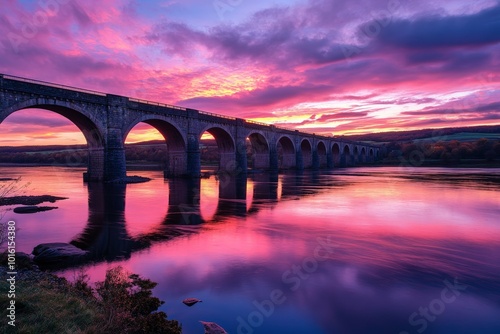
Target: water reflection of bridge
pixel 106 237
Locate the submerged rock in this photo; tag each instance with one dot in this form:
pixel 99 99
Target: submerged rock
pixel 213 328
pixel 59 254
pixel 131 179
pixel 29 200
pixel 191 301
pixel 33 209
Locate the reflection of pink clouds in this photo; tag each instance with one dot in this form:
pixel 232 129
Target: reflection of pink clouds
pixel 399 207
pixel 209 198
pixel 141 207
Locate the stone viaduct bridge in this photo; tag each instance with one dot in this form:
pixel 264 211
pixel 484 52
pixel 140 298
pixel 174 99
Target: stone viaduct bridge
pixel 105 120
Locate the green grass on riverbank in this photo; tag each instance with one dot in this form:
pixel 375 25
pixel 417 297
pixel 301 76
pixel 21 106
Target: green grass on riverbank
pixel 42 307
pixel 123 303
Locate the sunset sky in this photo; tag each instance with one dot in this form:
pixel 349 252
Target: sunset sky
pixel 324 66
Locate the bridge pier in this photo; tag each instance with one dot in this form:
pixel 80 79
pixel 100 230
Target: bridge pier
pixel 273 158
pixel 343 160
pixel 241 163
pixel 299 164
pixel 315 160
pixel 115 165
pixel 193 156
pixel 95 171
pixel 329 161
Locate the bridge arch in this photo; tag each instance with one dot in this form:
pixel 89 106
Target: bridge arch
pixel 92 130
pixel 286 152
pixel 225 144
pixel 336 154
pixel 260 155
pixel 306 153
pixel 176 159
pixel 321 151
pixel 363 155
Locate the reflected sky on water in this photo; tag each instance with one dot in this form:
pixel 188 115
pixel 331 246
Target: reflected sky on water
pixel 358 250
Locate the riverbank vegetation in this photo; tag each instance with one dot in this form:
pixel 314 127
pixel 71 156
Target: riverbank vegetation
pixel 484 152
pixel 122 303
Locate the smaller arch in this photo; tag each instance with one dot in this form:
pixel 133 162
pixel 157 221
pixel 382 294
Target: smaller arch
pixel 371 152
pixel 286 152
pixel 336 154
pixel 176 159
pixel 166 127
pixel 321 151
pixel 259 156
pixel 224 140
pixel 306 153
pixel 346 158
pixel 226 146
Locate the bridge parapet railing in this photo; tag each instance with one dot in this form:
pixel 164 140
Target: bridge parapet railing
pixel 257 123
pixel 156 104
pixel 284 128
pixel 216 115
pixel 44 83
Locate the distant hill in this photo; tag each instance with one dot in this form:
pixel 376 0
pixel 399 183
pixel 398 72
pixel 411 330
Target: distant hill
pixel 461 133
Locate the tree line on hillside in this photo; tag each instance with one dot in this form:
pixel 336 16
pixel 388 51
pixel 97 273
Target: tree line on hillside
pixel 398 136
pixel 76 157
pixel 453 151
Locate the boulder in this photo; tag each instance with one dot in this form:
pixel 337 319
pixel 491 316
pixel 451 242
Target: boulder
pixel 58 254
pixel 212 328
pixel 191 301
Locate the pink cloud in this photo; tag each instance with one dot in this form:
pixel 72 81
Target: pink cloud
pixel 277 60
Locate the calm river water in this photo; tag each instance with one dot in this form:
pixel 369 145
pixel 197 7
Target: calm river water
pixel 361 250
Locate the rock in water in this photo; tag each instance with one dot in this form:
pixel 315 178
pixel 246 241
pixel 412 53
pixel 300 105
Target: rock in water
pixel 58 254
pixel 191 301
pixel 33 209
pixel 213 328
